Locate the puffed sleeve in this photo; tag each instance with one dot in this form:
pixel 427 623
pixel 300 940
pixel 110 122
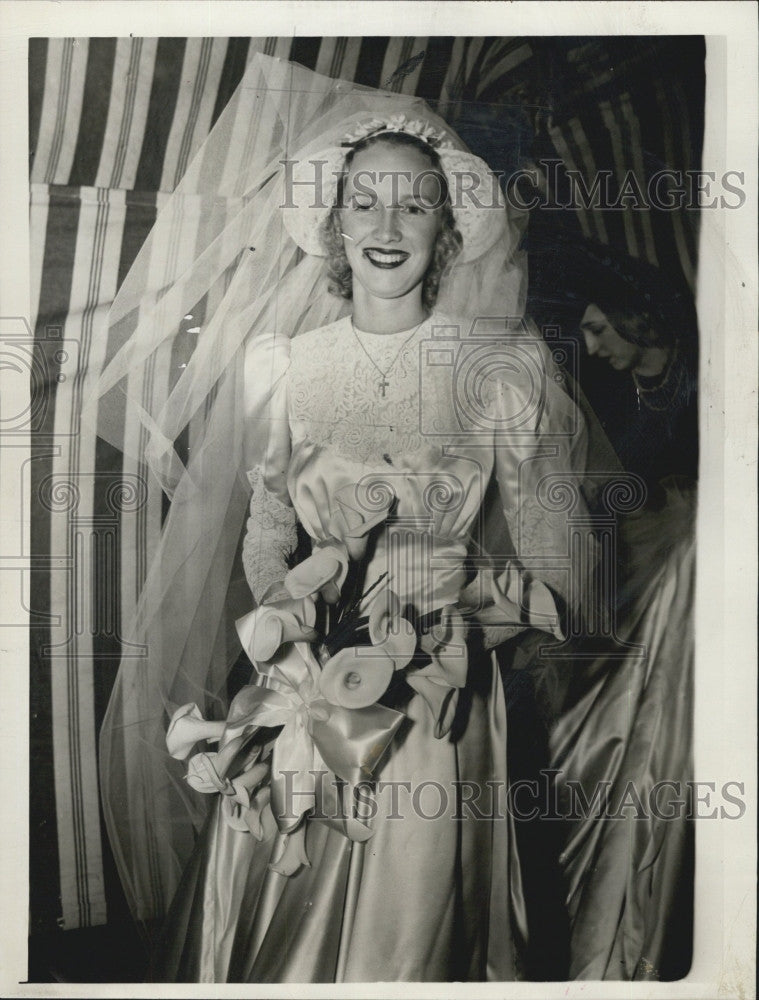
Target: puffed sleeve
pixel 529 468
pixel 270 535
pixel 540 464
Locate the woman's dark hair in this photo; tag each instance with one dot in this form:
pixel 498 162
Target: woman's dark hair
pixel 645 305
pixel 635 323
pixel 647 309
pixel 447 245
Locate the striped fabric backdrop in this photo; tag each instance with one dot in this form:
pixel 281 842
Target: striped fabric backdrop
pixel 113 124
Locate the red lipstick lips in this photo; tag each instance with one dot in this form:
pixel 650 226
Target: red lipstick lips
pixel 385 258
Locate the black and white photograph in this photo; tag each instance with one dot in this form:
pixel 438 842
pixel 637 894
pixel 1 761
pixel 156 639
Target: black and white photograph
pixel 380 518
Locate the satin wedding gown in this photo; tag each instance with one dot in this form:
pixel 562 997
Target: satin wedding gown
pixel 435 894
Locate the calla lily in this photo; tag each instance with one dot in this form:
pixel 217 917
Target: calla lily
pixel 259 817
pixel 351 521
pixel 293 854
pixel 496 624
pixel 250 813
pixel 506 591
pixel 526 602
pixel 446 646
pixel 507 604
pixel 257 794
pixel 385 608
pixel 441 700
pixel 357 676
pixel 449 631
pixel 188 727
pixel 352 680
pixel 264 630
pixel 400 643
pixel 244 784
pixel 323 572
pixel 541 609
pixel 495 601
pixel 439 681
pixel 308 722
pixel 235 816
pixel 203 774
pixel 207 772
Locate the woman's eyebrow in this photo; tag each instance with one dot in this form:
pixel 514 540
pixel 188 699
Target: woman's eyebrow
pixel 405 199
pixel 369 188
pixel 416 197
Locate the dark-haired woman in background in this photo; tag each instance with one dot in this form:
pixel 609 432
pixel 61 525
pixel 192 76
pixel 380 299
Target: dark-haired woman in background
pixel 621 722
pixel 640 368
pixel 655 419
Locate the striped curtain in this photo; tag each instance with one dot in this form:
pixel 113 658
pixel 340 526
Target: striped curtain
pixel 113 124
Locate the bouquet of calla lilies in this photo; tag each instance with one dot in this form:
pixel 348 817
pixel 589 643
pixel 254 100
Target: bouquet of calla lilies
pixel 299 741
pixel 315 701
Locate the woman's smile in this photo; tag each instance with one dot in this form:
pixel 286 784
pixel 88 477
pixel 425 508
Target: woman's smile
pixel 386 258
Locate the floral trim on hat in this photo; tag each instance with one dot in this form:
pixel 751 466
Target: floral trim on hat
pixel 399 123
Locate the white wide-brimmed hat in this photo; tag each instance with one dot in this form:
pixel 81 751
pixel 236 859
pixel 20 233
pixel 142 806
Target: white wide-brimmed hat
pixel 310 185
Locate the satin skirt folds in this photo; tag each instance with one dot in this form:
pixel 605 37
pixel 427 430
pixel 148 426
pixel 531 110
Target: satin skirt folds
pixel 433 896
pixel 624 737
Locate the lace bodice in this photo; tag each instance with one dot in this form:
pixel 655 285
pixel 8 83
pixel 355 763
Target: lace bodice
pixel 336 394
pixel 432 440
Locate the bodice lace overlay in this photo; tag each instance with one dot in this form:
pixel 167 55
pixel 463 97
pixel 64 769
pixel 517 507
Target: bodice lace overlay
pixel 336 397
pixel 394 412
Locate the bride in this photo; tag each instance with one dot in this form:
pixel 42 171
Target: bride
pixel 356 364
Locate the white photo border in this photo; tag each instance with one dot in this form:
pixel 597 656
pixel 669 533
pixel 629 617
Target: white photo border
pixel 725 742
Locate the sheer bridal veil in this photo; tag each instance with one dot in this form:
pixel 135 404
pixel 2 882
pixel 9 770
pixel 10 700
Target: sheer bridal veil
pixel 219 268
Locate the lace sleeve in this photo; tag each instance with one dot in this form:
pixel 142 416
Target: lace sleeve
pixel 270 537
pixel 541 465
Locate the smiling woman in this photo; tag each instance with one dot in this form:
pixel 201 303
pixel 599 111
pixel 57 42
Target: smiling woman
pixel 371 647
pixel 412 461
pixel 393 210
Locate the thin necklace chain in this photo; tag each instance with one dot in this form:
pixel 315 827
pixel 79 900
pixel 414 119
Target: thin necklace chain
pixel 647 394
pixel 383 383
